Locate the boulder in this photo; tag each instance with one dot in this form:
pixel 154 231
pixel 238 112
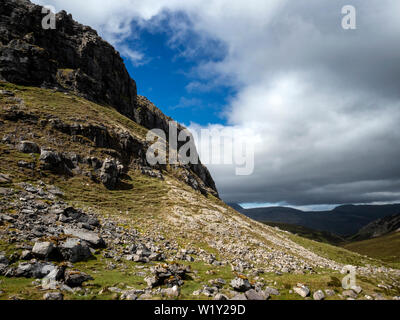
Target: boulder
pixel 171 292
pixel 109 173
pixel 240 284
pixel 92 238
pixel 28 147
pixel 329 292
pixel 350 294
pixel 356 289
pixel 254 295
pixel 239 296
pixel 319 295
pixel 50 160
pixel 74 278
pixel 301 290
pixel 271 291
pixel 43 250
pixel 220 296
pixel 4 260
pixel 74 250
pixel 53 296
pixel 36 270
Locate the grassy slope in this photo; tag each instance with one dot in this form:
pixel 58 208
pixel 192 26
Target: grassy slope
pixel 147 205
pixel 385 248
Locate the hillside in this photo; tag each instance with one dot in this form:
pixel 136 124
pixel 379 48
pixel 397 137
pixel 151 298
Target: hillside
pixel 83 215
pixel 385 248
pixel 378 228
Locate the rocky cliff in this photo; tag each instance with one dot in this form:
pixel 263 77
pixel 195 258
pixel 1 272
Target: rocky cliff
pixel 75 59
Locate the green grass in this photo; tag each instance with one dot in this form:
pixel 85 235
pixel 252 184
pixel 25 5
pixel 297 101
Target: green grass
pixel 334 253
pixel 385 248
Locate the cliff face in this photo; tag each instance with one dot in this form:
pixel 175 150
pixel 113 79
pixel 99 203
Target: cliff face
pixel 75 59
pixel 72 56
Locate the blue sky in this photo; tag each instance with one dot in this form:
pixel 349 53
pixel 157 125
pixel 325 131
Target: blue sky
pixel 167 76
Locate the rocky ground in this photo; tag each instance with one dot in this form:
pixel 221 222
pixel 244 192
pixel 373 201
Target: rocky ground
pixel 49 238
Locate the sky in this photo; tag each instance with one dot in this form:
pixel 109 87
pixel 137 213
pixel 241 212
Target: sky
pixel 320 103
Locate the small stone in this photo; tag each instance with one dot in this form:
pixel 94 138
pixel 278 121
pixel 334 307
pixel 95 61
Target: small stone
pixel 329 292
pixel 301 290
pixel 349 293
pixel 171 292
pixel 53 296
pixel 220 296
pixel 28 147
pixel 319 295
pixel 356 289
pixel 271 291
pixel 241 285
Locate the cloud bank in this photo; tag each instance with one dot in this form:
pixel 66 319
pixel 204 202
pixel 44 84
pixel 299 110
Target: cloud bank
pixel 323 102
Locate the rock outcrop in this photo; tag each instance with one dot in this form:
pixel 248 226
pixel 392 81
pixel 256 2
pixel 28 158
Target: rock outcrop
pixel 74 58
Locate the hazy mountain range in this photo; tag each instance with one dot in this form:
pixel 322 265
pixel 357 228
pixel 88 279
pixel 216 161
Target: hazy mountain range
pixel 343 220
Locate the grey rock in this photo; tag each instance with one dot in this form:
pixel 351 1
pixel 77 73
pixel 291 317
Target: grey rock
pixel 301 290
pixel 26 255
pixel 318 295
pixel 356 289
pixel 271 291
pixel 33 270
pixel 28 147
pixel 330 293
pixel 254 295
pixel 349 293
pixel 74 278
pixel 53 296
pixel 75 250
pixel 109 174
pixel 43 249
pixel 92 238
pixel 241 285
pixel 173 292
pixel 239 296
pixel 4 260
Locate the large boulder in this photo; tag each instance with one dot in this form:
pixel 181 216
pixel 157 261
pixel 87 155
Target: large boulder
pixel 92 238
pixel 36 270
pixel 43 250
pixel 74 278
pixel 109 173
pixel 74 250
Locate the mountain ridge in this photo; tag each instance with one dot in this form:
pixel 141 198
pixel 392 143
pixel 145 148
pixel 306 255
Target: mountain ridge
pixel 344 220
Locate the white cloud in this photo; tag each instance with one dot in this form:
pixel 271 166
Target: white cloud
pixel 324 101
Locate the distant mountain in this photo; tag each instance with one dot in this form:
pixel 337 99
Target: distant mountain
pixel 344 220
pixel 378 228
